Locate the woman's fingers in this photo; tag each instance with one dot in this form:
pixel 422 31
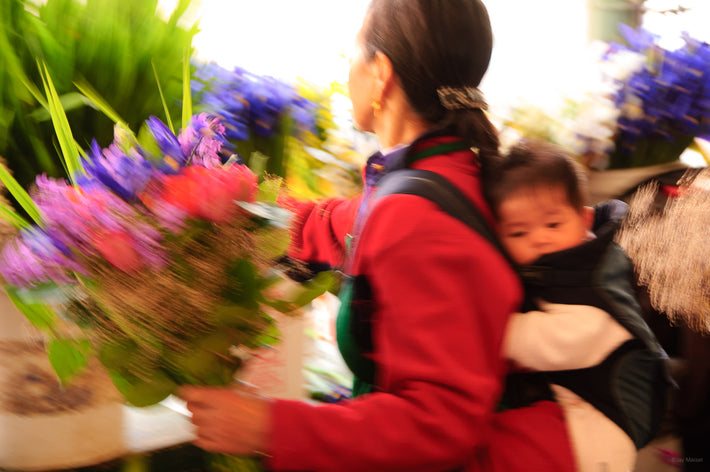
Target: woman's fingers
pixel 233 421
pixel 194 395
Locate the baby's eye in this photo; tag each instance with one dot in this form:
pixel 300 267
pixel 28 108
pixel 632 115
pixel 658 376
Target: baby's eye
pixel 554 224
pixel 517 234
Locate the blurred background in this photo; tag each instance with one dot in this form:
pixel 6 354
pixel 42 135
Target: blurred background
pixel 275 73
pixel 543 51
pixel 540 47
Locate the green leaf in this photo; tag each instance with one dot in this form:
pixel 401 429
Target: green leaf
pixel 47 163
pixel 69 101
pixel 68 357
pixel 148 141
pixel 315 287
pixel 20 195
pixel 136 463
pixel 269 189
pixel 98 101
pixel 186 87
pixel 40 315
pixel 229 463
pixel 180 9
pixel 271 244
pixel 162 97
pixel 241 325
pixel 199 366
pixel 153 386
pixel 70 151
pixel 12 63
pixel 233 315
pixel 119 353
pixel 244 288
pixel 302 294
pixel 8 213
pixel 258 163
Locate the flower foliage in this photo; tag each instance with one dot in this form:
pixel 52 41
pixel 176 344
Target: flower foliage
pixel 648 106
pixel 165 256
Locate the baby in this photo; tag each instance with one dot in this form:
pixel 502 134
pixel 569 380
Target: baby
pixel 580 339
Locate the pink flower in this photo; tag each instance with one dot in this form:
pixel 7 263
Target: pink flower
pixel 210 193
pixel 118 248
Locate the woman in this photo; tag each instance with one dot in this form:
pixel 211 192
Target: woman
pixel 427 299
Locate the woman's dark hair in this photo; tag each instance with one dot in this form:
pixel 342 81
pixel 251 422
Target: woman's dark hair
pixel 532 164
pixel 433 44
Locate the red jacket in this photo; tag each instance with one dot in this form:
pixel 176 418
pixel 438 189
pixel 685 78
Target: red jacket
pixel 443 296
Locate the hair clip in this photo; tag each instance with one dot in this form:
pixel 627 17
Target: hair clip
pixel 461 98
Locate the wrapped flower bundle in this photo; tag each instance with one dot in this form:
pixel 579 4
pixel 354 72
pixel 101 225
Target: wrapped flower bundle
pixel 646 105
pixel 664 104
pixel 162 254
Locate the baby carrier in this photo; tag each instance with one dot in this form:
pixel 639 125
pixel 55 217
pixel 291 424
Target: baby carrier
pixel 631 385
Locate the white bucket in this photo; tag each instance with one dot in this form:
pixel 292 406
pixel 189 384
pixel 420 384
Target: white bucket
pixel 44 426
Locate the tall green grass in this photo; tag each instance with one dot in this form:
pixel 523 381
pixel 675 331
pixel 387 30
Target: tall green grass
pixel 117 50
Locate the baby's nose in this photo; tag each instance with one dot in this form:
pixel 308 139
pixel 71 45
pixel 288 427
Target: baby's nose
pixel 541 238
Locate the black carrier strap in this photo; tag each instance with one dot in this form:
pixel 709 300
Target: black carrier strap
pixel 448 197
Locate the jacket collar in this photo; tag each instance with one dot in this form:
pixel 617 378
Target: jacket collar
pixel 380 164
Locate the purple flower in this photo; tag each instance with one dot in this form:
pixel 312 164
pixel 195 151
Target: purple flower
pixel 225 94
pixel 173 156
pixel 202 140
pixel 78 217
pixel 35 258
pixel 269 99
pixel 638 39
pixel 123 175
pixel 304 112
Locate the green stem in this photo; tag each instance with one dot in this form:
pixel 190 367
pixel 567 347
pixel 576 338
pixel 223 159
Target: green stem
pixel 229 463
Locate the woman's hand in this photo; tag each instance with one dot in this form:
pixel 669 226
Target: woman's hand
pixel 235 421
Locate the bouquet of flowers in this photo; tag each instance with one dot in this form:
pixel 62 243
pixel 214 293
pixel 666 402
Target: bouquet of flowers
pixel 162 253
pixel 648 106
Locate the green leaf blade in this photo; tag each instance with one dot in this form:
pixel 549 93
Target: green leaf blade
pixel 21 196
pixel 40 315
pixel 68 357
pixel 70 151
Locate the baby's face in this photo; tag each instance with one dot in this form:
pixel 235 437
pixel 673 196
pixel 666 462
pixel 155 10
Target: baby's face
pixel 538 221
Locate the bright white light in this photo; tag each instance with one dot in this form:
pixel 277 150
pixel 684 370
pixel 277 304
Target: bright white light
pixel 541 49
pixel 286 39
pixel 670 26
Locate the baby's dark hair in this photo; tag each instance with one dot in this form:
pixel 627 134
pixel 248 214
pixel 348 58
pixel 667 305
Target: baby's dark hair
pixel 531 164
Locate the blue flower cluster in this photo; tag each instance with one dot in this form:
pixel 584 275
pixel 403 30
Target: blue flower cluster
pixel 665 104
pixel 248 104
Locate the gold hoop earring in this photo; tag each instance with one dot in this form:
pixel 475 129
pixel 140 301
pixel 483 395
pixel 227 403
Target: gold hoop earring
pixel 376 107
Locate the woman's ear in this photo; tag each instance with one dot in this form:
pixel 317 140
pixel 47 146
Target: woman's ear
pixel 588 215
pixel 384 75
